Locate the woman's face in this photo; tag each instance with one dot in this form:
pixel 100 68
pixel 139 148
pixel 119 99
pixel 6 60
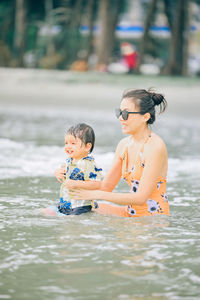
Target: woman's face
pixel 134 121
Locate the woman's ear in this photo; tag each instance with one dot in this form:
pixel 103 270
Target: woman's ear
pixel 146 116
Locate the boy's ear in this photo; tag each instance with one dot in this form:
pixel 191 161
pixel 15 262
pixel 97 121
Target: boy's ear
pixel 88 147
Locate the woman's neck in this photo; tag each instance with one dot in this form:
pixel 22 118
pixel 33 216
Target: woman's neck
pixel 141 135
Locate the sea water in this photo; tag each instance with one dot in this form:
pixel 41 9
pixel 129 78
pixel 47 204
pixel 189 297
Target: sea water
pixel 93 256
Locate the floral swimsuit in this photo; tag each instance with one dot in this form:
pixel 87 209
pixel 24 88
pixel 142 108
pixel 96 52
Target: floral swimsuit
pixel 157 203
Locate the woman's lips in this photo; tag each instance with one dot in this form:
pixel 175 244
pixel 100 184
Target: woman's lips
pixel 123 125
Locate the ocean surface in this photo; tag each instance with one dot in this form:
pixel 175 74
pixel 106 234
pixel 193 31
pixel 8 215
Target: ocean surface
pixel 93 256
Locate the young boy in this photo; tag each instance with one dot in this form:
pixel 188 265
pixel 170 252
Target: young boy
pixel 80 170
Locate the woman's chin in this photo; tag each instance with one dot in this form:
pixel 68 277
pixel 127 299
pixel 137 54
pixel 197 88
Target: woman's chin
pixel 125 130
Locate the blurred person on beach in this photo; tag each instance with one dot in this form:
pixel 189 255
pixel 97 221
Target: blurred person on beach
pixel 130 56
pixel 141 159
pixel 79 171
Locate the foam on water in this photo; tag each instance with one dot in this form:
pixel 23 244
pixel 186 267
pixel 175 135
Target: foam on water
pixel 27 159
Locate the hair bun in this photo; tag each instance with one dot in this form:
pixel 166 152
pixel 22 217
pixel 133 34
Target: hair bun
pixel 157 98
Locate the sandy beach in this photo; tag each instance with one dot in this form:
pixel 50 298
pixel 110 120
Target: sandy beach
pixel 29 87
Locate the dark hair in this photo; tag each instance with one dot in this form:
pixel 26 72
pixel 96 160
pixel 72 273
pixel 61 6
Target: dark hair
pixel 146 102
pixel 84 132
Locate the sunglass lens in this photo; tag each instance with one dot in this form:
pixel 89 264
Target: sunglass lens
pixel 124 115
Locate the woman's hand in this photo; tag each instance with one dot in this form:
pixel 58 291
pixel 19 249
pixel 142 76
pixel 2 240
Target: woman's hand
pixel 60 174
pixel 82 184
pixel 82 194
pixel 71 184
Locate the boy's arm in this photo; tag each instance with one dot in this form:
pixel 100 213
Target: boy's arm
pixel 89 184
pixel 60 174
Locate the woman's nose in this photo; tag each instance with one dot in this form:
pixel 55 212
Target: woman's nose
pixel 120 118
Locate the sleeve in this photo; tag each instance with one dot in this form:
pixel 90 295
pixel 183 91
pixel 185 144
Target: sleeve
pixel 90 170
pixel 95 173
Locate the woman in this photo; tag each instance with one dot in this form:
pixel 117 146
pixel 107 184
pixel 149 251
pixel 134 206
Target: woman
pixel 141 159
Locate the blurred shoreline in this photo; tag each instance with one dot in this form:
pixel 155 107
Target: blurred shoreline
pixel 33 87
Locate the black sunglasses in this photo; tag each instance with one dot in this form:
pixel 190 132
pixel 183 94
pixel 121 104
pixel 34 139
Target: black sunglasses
pixel 124 113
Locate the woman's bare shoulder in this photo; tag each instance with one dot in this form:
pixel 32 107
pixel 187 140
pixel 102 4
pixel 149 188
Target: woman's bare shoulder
pixel 156 144
pixel 123 142
pixel 121 146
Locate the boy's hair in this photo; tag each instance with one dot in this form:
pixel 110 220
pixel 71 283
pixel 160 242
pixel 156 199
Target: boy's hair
pixel 84 132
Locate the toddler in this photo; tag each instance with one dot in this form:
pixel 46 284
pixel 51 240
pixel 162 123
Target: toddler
pixel 79 167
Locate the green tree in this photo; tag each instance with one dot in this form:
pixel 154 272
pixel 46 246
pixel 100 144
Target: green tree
pixel 147 24
pixel 6 32
pixel 179 24
pixel 109 14
pixel 20 30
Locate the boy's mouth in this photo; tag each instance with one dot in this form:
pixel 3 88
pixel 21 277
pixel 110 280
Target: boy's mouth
pixel 69 151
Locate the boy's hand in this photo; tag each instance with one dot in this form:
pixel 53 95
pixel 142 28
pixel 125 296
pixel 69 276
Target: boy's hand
pixel 60 174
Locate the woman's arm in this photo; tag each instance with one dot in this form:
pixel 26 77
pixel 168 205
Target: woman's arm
pixel 109 182
pixel 154 162
pixel 113 176
pixel 115 172
pixel 86 184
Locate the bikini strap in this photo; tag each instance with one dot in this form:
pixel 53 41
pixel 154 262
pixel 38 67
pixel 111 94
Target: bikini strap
pixel 142 150
pixel 125 155
pixel 125 159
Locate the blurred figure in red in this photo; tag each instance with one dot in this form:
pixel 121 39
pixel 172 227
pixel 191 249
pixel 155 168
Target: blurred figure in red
pixel 130 56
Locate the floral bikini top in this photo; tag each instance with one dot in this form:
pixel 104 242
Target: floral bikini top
pixel 158 200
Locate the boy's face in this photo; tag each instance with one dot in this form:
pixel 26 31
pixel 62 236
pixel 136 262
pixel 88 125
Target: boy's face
pixel 75 148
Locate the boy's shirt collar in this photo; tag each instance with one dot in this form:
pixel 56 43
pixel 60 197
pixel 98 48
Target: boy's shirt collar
pixel 70 159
